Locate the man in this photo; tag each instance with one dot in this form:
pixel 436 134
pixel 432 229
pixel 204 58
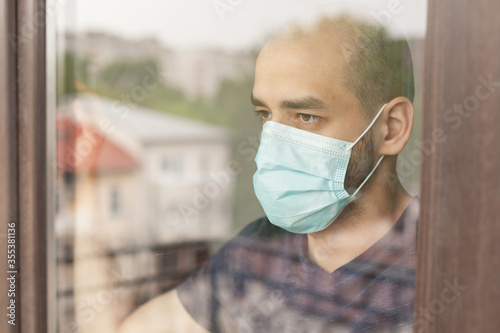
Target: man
pixel 336 250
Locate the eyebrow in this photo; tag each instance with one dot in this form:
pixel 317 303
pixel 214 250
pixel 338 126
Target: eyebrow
pixel 255 101
pixel 302 103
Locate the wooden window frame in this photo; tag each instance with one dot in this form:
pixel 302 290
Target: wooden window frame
pixel 27 168
pixel 459 229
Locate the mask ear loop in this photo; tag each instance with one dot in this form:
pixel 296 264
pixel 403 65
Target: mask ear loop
pixel 367 177
pixel 369 126
pixel 379 160
pixel 352 197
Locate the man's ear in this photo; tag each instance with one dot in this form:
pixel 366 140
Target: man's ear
pixel 397 126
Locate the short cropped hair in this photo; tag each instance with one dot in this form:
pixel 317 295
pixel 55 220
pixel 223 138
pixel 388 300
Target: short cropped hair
pixel 378 68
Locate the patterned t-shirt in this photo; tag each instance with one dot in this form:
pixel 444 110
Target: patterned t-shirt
pixel 263 281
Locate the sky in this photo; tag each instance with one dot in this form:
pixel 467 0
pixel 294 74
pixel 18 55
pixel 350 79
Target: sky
pixel 238 24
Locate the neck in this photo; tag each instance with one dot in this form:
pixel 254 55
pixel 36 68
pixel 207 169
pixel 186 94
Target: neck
pixel 363 222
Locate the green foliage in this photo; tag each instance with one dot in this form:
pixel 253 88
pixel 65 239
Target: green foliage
pixel 74 69
pixel 123 75
pixel 230 106
pixel 68 81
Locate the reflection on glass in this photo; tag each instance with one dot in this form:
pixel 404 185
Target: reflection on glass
pixel 155 150
pixel 146 181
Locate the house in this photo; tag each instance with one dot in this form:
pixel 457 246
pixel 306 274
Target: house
pixel 141 196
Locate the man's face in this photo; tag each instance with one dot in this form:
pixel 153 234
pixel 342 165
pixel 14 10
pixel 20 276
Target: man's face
pixel 299 83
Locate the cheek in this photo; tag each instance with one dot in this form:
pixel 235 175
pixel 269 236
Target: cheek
pixel 337 129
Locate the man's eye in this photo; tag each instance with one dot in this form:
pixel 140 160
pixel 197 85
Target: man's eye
pixel 265 115
pixel 308 118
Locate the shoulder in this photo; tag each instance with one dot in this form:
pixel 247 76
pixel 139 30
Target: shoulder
pixel 211 293
pixel 260 244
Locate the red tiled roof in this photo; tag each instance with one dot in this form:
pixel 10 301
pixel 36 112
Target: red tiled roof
pixel 88 150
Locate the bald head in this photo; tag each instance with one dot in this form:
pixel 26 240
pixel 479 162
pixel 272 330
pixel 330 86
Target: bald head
pixel 367 61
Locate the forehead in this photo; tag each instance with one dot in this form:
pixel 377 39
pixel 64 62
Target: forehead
pixel 312 64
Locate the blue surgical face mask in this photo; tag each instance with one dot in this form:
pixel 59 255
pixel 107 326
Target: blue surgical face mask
pixel 300 176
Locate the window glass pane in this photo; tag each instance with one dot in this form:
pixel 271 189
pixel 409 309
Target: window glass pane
pixel 156 178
